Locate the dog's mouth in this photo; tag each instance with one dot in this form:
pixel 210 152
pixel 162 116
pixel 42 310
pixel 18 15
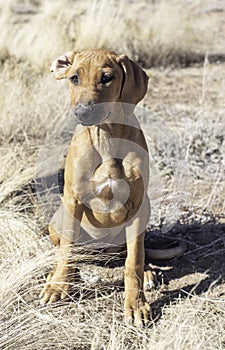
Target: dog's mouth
pixel 90 115
pixel 90 120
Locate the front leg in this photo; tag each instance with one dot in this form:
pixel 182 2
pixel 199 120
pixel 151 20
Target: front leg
pixel 136 307
pixel 60 280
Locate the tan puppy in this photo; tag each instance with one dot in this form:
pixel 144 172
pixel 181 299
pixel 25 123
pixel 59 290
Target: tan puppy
pixel 106 172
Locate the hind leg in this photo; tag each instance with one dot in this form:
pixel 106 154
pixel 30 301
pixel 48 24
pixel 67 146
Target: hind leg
pixel 62 228
pixel 54 229
pixel 54 233
pixel 56 226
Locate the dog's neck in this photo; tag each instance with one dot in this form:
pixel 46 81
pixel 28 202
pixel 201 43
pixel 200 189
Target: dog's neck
pixel 103 138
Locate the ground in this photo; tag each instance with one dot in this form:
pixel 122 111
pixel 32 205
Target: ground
pixel 182 116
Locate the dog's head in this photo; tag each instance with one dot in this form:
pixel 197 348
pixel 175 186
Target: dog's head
pixel 97 77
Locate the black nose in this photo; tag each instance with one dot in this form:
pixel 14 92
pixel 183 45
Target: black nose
pixel 82 110
pixel 89 114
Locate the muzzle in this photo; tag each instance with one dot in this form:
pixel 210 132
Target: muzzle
pixel 90 114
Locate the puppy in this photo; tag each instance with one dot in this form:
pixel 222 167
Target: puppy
pixel 106 172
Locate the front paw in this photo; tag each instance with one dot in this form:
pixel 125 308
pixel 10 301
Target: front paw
pixel 137 310
pixel 56 288
pixel 150 279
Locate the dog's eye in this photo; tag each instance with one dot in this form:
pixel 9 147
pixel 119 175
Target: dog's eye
pixel 75 79
pixel 106 78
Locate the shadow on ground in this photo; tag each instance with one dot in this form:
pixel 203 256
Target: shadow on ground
pixel 199 268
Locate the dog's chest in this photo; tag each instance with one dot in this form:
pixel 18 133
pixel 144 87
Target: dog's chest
pixel 105 192
pixel 109 183
pixel 106 177
pixel 105 182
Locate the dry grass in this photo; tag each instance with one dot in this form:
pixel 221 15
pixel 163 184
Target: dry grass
pixel 162 33
pixel 183 117
pixel 94 322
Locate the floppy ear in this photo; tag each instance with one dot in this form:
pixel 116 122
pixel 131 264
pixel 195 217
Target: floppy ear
pixel 135 81
pixel 61 64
